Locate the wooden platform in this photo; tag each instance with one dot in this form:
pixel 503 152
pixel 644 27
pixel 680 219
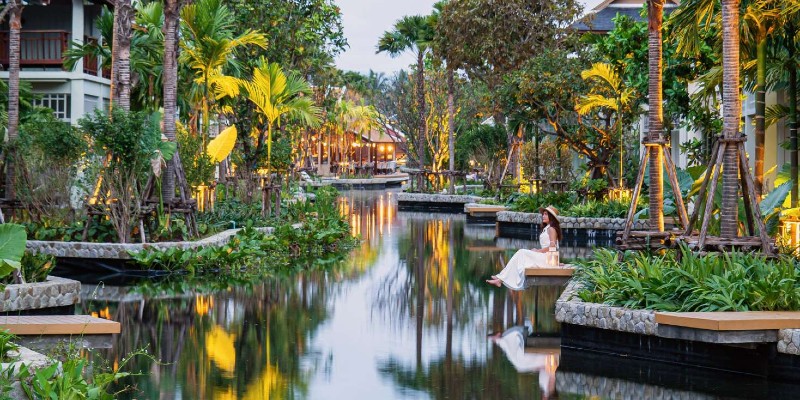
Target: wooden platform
pixel 472 210
pixel 731 321
pixel 565 270
pixel 58 325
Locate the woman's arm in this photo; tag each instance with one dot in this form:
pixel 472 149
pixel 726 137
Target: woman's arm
pixel 553 237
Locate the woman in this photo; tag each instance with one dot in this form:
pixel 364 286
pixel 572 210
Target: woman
pixel 513 275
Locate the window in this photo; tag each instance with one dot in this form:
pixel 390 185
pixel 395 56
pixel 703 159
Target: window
pixel 58 102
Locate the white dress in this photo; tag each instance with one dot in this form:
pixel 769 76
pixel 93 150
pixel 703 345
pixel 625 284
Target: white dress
pixel 513 275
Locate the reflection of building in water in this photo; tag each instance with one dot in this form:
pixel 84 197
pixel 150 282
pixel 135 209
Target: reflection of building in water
pixel 371 215
pixel 512 342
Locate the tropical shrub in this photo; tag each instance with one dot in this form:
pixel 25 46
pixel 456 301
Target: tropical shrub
pixel 34 268
pixel 598 209
pixel 12 247
pixel 713 282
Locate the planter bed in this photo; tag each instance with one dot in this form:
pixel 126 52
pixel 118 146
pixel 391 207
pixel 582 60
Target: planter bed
pixel 637 334
pixel 603 231
pixel 443 203
pixel 367 183
pixel 55 296
pixel 120 251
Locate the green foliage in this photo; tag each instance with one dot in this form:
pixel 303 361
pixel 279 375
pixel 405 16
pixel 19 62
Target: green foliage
pixel 713 282
pixel 197 164
pixel 532 203
pixel 43 133
pixel 55 229
pixel 129 138
pixel 6 344
pixel 232 213
pixel 598 209
pixel 35 268
pixel 12 247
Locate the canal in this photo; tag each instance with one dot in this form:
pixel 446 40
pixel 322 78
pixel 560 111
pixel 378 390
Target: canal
pixel 406 315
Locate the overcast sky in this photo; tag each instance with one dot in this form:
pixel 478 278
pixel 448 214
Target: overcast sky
pixel 364 23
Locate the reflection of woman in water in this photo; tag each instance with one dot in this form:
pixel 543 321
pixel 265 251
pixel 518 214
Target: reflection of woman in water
pixel 513 275
pixel 512 342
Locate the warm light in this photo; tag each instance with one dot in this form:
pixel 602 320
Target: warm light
pixel 552 258
pixel 620 194
pixel 380 148
pixel 790 234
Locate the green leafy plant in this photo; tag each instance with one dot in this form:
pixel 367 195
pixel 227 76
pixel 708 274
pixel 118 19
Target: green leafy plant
pixel 713 282
pixel 12 247
pixel 34 268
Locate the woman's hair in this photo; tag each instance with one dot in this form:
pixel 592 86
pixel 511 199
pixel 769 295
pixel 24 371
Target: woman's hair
pixel 553 224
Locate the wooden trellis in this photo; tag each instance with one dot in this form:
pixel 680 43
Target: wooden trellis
pixel 753 220
pixel 652 238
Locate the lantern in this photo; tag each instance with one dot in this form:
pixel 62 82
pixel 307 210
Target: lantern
pixel 552 258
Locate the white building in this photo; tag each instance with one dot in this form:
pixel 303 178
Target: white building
pixel 47 31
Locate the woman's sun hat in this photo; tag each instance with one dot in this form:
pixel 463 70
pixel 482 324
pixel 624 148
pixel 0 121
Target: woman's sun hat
pixel 551 210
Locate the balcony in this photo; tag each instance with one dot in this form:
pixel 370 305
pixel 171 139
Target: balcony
pixel 44 49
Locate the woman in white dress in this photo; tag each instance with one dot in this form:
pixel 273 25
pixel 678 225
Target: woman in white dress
pixel 513 275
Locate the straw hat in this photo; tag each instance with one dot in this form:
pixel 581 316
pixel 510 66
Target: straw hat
pixel 550 209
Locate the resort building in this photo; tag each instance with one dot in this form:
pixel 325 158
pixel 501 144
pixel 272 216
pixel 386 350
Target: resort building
pixel 48 29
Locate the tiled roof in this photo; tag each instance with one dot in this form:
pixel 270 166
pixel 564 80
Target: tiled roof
pixel 603 19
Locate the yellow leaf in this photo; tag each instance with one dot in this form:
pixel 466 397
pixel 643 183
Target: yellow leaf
pixel 221 146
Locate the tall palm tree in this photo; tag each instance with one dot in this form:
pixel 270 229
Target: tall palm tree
pixel 15 26
pixel 731 114
pixel 655 119
pixel 172 9
pixel 123 17
pixel 209 46
pixel 414 33
pixel 276 95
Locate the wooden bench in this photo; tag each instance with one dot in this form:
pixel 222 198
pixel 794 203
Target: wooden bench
pixel 731 321
pixel 565 270
pixel 472 210
pixel 58 325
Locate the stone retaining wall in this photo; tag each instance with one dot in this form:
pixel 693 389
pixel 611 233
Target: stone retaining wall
pixel 54 292
pixel 570 309
pixel 789 341
pixel 567 222
pixel 120 251
pixel 611 388
pixel 436 198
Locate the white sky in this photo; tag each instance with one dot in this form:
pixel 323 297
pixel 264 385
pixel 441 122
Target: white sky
pixel 365 21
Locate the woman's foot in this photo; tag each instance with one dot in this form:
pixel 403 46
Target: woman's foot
pixel 495 282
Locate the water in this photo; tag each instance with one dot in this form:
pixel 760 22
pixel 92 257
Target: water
pixel 407 316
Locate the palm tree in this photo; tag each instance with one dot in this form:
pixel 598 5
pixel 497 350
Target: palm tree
pixel 146 52
pixel 276 95
pixel 655 19
pixel 172 9
pixel 15 25
pixel 731 112
pixel 123 17
pixel 210 45
pixel 414 33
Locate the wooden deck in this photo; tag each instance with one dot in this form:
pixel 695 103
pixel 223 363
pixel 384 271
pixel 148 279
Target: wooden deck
pixel 564 270
pixel 731 321
pixel 471 210
pixel 58 325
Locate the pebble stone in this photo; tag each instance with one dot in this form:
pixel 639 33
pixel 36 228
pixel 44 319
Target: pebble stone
pixel 591 386
pixel 437 198
pixel 54 292
pixel 569 222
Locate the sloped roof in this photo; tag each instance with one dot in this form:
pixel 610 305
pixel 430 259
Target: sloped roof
pixel 602 20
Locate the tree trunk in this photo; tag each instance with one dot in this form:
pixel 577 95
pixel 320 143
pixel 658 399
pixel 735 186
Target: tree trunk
pixel 172 9
pixel 114 57
pixel 761 79
pixel 123 17
pixel 15 25
pixel 655 115
pixel 792 70
pixel 422 128
pixel 732 108
pixel 451 118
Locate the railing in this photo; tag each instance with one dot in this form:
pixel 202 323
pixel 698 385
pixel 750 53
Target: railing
pixel 90 62
pixel 37 48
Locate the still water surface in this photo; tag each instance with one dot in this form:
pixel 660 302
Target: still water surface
pixel 406 316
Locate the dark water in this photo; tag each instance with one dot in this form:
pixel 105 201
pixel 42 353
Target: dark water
pixel 407 315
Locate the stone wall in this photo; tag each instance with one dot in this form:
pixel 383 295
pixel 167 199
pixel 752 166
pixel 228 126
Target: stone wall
pixel 570 309
pixel 119 251
pixel 436 198
pixel 612 388
pixel 54 292
pixel 32 360
pixel 789 341
pixel 615 224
